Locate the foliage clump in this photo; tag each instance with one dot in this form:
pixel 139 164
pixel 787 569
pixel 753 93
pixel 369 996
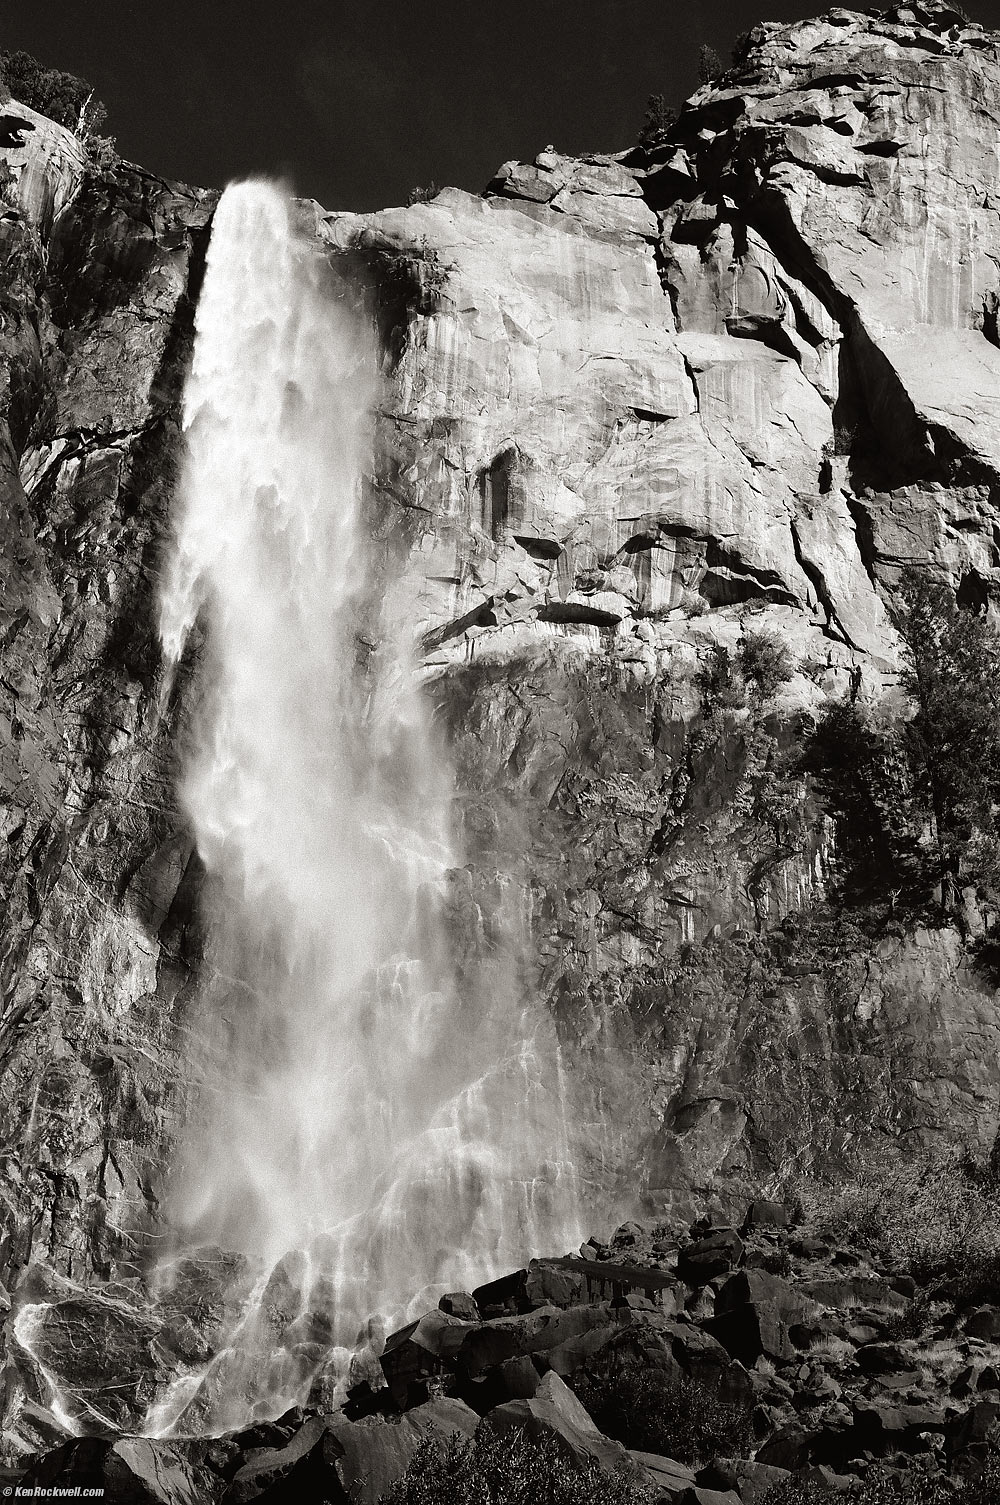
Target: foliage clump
pixel 510 1470
pixel 742 47
pixel 649 1409
pixel 915 1486
pixel 656 125
pixel 718 682
pixel 63 97
pixel 422 195
pixel 764 663
pixel 952 741
pixel 710 64
pixel 918 795
pixel 936 1216
pixel 753 674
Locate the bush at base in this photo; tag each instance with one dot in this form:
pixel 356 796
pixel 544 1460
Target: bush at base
pixel 510 1470
pixel 911 1488
pixel 935 1215
pixel 646 1409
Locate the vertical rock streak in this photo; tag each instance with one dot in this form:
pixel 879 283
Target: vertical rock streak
pixel 364 1130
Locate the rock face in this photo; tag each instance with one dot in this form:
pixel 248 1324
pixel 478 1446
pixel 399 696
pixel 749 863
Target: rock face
pixel 98 274
pixel 635 408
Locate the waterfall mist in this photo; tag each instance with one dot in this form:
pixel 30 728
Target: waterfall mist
pixel 367 1131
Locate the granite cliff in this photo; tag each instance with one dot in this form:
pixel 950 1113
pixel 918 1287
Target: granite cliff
pixel 635 407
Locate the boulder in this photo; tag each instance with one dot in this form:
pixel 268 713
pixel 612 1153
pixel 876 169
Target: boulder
pixel 133 1471
pixel 704 1359
pixel 754 1311
pixel 369 1456
pixel 747 1332
pixel 851 1291
pixel 713 1255
pixel 749 1479
pixel 571 1281
pixel 555 1412
pixel 639 1346
pixel 504 1297
pixel 487 1344
pixel 767 1257
pixel 787 1447
pixel 576 1352
pixel 110 1352
pixel 421 1350
pixel 971 1433
pixel 984 1323
pixel 669 1478
pixel 759 1288
pixel 810 1247
pixel 551 1283
pixel 827 1325
pixel 816 1389
pixel 882 1425
pixel 460 1304
pixel 881 1358
pixel 514 1379
pixel 765 1214
pixel 297 1466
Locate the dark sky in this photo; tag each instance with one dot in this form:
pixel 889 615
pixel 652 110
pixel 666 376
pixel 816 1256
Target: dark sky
pixel 356 103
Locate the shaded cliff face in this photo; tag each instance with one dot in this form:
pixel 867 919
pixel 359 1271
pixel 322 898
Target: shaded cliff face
pixel 634 407
pixel 98 278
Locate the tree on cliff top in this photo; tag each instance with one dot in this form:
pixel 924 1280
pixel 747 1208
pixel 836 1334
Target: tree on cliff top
pixel 657 123
pixel 64 98
pixel 710 64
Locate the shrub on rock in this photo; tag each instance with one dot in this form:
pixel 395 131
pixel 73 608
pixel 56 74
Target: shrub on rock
pixel 882 1487
pixel 654 1412
pixel 508 1470
pixel 935 1215
pixel 764 663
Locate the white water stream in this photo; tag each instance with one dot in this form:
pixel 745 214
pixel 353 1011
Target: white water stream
pixel 365 1132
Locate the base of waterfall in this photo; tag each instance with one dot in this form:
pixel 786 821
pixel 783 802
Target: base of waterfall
pixel 678 1363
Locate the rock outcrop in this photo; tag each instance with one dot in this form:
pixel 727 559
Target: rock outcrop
pixel 636 408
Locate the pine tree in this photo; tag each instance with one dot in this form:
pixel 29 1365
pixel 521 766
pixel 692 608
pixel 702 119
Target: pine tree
pixel 918 796
pixel 952 741
pixel 710 64
pixel 658 120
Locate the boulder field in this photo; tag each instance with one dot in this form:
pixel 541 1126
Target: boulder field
pixel 635 406
pixel 763 1354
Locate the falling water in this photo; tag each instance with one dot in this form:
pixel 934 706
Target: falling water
pixel 367 1131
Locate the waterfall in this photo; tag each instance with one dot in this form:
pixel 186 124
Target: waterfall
pixel 368 1130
